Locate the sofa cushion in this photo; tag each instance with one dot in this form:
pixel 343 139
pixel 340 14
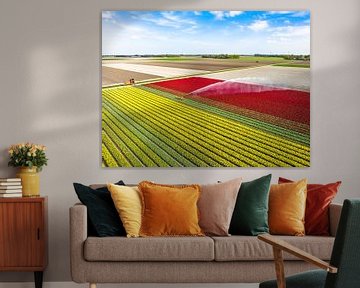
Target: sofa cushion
pixel 216 206
pixel 149 249
pixel 127 201
pixel 169 210
pixel 102 216
pixel 287 204
pixel 250 215
pixel 318 199
pixel 244 248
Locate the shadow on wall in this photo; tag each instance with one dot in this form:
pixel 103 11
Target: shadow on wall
pixel 4 159
pixel 53 80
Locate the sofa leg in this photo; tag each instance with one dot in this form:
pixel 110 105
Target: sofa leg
pixel 92 285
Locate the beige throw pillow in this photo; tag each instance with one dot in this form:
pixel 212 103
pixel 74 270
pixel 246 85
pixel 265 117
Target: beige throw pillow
pixel 216 205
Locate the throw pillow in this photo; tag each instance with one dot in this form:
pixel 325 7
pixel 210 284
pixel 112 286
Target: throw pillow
pixel 102 215
pixel 169 210
pixel 216 206
pixel 319 197
pixel 287 204
pixel 250 215
pixel 127 201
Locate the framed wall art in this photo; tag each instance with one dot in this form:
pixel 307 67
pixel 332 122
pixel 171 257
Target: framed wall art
pixel 205 88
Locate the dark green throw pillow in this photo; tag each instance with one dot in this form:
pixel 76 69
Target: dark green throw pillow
pixel 250 216
pixel 103 218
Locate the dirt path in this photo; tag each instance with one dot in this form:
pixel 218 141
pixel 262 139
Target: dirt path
pixel 114 76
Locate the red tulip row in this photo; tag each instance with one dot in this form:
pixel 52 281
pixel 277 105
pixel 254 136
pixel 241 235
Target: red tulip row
pixel 186 85
pixel 288 104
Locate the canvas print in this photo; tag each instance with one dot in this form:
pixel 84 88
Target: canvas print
pixel 205 88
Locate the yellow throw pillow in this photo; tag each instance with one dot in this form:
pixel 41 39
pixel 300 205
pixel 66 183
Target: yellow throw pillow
pixel 127 201
pixel 287 204
pixel 169 210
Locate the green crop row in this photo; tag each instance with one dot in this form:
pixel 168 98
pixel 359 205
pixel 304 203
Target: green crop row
pixel 118 152
pixel 107 158
pixel 302 138
pixel 228 131
pixel 208 139
pixel 162 154
pixel 201 138
pixel 218 138
pixel 168 139
pixel 260 147
pixel 208 157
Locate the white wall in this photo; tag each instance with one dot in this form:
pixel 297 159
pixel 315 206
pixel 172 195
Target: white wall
pixel 50 94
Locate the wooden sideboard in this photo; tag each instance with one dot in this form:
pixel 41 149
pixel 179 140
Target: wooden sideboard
pixel 23 235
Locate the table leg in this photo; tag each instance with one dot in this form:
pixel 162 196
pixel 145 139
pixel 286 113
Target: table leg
pixel 38 279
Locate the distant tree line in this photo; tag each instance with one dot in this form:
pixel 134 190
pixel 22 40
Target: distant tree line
pixel 222 56
pixel 215 56
pixel 285 56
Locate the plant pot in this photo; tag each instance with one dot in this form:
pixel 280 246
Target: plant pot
pixel 30 181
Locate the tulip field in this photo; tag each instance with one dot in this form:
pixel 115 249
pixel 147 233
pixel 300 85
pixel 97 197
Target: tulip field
pixel 202 122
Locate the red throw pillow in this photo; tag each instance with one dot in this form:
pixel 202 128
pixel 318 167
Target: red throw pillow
pixel 319 197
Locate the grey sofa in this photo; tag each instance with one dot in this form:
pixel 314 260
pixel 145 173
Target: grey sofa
pixel 234 259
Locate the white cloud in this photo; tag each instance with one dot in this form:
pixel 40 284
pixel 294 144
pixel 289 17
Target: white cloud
pixel 171 16
pixel 299 13
pixel 170 19
pixel 293 13
pixel 219 15
pixel 197 13
pixel 234 13
pixel 107 15
pixel 290 31
pixel 259 25
pixel 291 38
pixel 279 12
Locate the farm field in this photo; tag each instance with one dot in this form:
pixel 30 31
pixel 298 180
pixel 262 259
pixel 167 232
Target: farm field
pixel 257 116
pixel 119 70
pixel 147 126
pixel 278 76
pixel 284 103
pixel 112 75
pixel 163 71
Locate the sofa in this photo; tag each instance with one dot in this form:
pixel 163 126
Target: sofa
pixel 233 259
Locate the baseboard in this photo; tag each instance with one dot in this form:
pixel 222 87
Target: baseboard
pixel 74 285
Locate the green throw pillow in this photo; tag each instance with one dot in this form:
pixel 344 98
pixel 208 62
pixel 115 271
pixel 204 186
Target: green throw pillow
pixel 250 215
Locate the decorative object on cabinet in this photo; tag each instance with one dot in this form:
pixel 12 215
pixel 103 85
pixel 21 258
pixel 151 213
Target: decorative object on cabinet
pixel 30 158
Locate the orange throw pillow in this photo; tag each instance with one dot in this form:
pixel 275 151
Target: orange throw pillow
pixel 318 200
pixel 169 210
pixel 287 204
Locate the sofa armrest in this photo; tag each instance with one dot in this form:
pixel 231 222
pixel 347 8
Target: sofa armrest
pixel 334 216
pixel 78 235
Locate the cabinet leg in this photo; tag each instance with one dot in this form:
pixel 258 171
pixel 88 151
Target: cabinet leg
pixel 92 285
pixel 38 279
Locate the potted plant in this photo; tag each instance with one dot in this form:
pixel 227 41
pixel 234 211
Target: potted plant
pixel 30 158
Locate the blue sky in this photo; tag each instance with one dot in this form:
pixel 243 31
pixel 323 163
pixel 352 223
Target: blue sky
pixel 205 32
